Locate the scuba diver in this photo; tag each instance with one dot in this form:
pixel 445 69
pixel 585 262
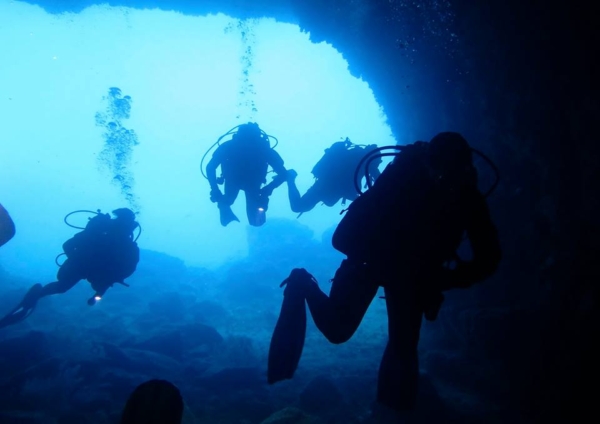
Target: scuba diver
pixel 401 234
pixel 244 162
pixel 104 253
pixel 334 175
pixel 7 226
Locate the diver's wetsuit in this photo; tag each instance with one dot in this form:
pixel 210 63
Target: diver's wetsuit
pixel 244 165
pixel 398 236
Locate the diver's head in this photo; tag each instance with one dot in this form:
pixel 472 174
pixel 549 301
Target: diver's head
pixel 451 158
pixel 125 218
pixel 124 214
pixel 249 131
pixel 155 401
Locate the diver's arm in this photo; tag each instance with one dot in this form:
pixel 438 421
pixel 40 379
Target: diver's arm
pixel 276 162
pixel 7 226
pixel 211 169
pixel 485 245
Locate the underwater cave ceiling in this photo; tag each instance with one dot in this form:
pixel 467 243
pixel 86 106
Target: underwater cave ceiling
pixel 430 56
pixel 381 40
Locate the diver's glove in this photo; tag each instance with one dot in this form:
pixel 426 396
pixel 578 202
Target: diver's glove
pixel 100 288
pixel 300 282
pixel 216 195
pixel 291 175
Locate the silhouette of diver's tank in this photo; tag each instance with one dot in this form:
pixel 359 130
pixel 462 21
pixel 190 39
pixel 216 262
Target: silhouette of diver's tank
pixel 405 200
pixel 386 208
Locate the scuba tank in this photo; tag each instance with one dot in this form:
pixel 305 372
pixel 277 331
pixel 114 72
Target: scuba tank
pixel 330 160
pixel 368 218
pixel 98 224
pixel 394 201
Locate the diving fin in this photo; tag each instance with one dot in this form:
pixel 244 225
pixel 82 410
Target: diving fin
pixel 23 309
pixel 226 215
pixel 288 337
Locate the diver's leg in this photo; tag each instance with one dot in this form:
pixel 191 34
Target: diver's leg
pixel 225 212
pixel 230 193
pixel 256 206
pixel 399 369
pixel 69 274
pixel 58 287
pixel 338 315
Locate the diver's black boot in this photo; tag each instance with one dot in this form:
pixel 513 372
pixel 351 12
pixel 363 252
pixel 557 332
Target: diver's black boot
pixel 226 215
pixel 287 341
